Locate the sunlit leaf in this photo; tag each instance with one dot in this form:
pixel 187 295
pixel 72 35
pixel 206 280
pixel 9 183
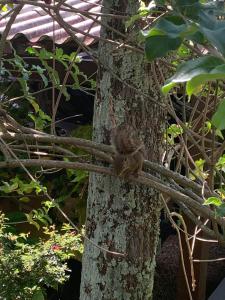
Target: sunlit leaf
pixel 24 199
pixel 196 72
pixel 213 200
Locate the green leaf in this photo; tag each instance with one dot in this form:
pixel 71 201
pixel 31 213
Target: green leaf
pixel 221 162
pixel 158 46
pixel 219 134
pixel 41 74
pixel 213 30
pixel 218 119
pixel 213 200
pixel 39 123
pixel 34 104
pixel 31 50
pixel 9 188
pixel 196 72
pixel 31 221
pixel 44 116
pixel 153 32
pixel 65 93
pixel 24 86
pixel 80 175
pixel 4 8
pixel 24 199
pixel 172 132
pixel 167 35
pixel 59 53
pixel 174 26
pixel 137 17
pixel 196 37
pixel 44 54
pixel 189 8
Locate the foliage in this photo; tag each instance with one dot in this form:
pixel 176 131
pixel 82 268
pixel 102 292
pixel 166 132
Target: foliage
pixel 185 20
pixel 33 265
pixel 189 33
pixel 20 187
pixel 26 268
pixel 172 133
pixel 70 183
pixel 196 73
pixel 196 23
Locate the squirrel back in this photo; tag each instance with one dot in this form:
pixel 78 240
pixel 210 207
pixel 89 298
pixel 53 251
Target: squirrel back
pixel 129 150
pixel 125 139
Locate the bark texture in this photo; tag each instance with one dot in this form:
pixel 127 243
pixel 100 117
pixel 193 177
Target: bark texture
pixel 122 217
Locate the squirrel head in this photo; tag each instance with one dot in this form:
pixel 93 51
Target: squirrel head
pixel 125 139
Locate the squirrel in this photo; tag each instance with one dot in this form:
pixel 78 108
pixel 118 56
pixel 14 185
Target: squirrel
pixel 129 151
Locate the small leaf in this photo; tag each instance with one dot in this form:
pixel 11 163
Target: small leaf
pixel 44 54
pixel 31 221
pixel 9 188
pixel 80 175
pixel 213 200
pixel 59 53
pixel 44 116
pixel 31 50
pixel 34 104
pixel 24 199
pixel 219 134
pixel 135 18
pixel 4 8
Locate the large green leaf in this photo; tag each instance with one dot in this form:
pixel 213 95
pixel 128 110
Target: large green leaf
pixel 158 46
pixel 167 35
pixel 213 30
pixel 189 8
pixel 191 20
pixel 196 37
pixel 196 72
pixel 173 26
pixel 218 119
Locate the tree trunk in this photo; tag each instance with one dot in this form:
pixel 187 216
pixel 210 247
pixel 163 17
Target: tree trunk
pixel 122 216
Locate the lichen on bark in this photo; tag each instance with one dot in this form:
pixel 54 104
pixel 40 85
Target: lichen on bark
pixel 121 216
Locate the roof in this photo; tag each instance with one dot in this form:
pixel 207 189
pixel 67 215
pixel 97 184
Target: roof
pixel 34 23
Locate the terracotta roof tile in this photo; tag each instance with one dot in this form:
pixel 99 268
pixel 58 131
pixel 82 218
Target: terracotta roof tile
pixel 35 24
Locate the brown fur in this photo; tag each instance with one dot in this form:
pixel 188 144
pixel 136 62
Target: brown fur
pixel 129 151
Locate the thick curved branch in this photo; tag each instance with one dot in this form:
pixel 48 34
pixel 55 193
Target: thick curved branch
pixel 104 152
pixel 144 178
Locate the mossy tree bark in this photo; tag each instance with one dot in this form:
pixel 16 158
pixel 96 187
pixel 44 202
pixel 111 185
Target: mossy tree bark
pixel 121 216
